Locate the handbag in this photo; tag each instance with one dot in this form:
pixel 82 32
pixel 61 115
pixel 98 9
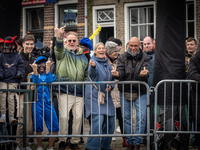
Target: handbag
pixel 101 95
pixel 128 96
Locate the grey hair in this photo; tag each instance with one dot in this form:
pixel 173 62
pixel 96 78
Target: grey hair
pixel 100 43
pixel 110 47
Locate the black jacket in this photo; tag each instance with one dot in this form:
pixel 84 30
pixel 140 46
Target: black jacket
pixel 129 69
pixel 27 61
pixel 11 67
pixel 194 73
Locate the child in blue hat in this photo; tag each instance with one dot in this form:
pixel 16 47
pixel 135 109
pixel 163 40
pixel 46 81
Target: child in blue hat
pixel 42 74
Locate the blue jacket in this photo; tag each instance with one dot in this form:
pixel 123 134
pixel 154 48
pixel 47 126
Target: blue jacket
pixel 99 73
pixel 150 79
pixel 41 78
pixel 11 65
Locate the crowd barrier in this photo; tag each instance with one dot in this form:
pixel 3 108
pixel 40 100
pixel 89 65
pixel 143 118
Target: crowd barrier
pixel 55 87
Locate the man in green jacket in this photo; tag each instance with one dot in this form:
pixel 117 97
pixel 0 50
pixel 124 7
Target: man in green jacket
pixel 71 66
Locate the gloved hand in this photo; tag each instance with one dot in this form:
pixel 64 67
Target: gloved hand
pixel 19 76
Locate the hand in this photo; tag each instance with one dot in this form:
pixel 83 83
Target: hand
pixel 91 63
pixel 48 65
pixel 144 72
pixel 56 30
pixel 115 72
pixel 109 88
pixel 34 67
pixel 61 33
pixel 19 76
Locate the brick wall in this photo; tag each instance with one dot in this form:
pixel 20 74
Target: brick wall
pixel 48 23
pixel 81 19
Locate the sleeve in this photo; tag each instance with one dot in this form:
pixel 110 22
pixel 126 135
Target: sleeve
pixel 50 77
pixel 86 73
pixel 35 79
pixel 193 71
pixel 20 67
pixel 59 49
pixel 120 68
pixel 1 67
pixel 146 64
pixel 92 71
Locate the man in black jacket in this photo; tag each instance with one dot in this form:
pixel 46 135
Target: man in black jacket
pixel 194 74
pixel 133 65
pixel 28 58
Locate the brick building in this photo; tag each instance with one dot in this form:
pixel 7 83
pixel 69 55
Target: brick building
pixel 119 18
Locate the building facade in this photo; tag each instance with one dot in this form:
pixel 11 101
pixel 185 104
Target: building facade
pixel 122 19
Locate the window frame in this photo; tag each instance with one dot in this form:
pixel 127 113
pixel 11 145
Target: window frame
pixel 127 16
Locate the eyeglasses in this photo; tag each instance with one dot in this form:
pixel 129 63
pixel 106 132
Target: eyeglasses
pixel 71 41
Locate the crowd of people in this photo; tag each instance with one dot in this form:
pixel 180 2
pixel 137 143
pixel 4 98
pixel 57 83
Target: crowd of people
pixel 67 60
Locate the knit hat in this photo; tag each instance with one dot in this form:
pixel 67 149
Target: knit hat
pixel 111 47
pixel 118 41
pixel 41 59
pixel 86 42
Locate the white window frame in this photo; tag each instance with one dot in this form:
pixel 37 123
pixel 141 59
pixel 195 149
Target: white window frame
pixel 194 18
pixel 127 7
pixel 24 17
pixel 56 8
pixel 103 24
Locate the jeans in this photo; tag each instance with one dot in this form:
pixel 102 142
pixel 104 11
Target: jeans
pixel 94 143
pixel 140 105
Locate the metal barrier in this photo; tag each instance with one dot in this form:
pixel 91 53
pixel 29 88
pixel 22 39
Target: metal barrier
pixel 169 109
pixel 98 84
pixel 25 91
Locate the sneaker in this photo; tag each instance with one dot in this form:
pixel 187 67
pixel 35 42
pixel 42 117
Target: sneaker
pixel 62 146
pixel 73 147
pixel 39 148
pixel 3 118
pixel 27 148
pixel 118 129
pixel 113 139
pixel 50 148
pixel 13 120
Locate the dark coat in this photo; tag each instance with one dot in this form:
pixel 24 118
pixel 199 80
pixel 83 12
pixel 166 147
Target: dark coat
pixel 129 69
pixel 11 66
pixel 28 69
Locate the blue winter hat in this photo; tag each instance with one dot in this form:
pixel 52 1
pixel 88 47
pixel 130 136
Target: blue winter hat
pixel 86 42
pixel 41 59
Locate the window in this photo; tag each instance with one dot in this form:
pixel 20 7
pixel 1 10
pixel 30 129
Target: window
pixel 68 16
pixel 35 24
pixel 105 15
pixel 142 22
pixel 190 19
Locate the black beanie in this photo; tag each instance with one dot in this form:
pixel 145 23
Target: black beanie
pixel 118 41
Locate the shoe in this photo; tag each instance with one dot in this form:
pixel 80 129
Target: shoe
pixel 73 146
pixel 137 147
pixel 39 148
pixel 62 146
pixel 81 141
pixel 50 148
pixel 130 147
pixel 27 148
pixel 13 120
pixel 118 129
pixel 124 144
pixel 3 118
pixel 30 141
pixel 113 139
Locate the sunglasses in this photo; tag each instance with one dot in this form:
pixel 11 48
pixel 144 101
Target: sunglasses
pixel 71 41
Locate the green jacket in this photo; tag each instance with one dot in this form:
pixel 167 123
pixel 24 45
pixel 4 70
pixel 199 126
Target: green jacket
pixel 70 67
